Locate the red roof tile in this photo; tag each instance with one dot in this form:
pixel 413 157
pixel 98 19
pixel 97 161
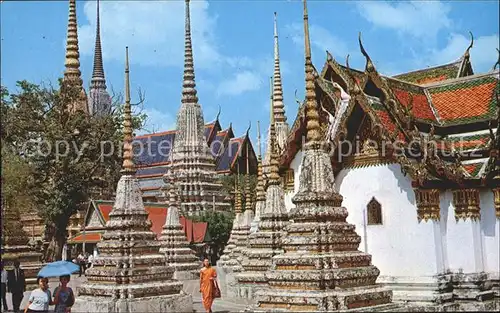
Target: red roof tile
pixel 465 101
pixel 421 107
pixel 88 238
pixel 157 215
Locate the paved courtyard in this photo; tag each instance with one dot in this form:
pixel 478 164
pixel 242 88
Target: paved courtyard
pixel 192 287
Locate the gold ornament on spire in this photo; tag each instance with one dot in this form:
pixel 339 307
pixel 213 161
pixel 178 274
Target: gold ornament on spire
pixel 72 62
pixel 312 115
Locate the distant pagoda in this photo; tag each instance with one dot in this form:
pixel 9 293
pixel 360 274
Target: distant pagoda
pixel 174 243
pixel 322 268
pixel 130 274
pixel 266 241
pixel 192 162
pixel 99 98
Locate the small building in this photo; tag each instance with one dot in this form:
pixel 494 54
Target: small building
pixel 152 156
pixel 97 215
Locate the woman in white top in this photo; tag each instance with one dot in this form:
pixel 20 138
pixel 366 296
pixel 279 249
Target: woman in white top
pixel 40 298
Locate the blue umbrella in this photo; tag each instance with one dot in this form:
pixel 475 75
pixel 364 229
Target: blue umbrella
pixel 59 268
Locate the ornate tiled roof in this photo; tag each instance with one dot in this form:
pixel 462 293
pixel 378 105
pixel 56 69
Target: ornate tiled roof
pixel 465 100
pixel 432 74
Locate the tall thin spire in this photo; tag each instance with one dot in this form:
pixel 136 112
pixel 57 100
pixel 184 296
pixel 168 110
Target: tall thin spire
pixel 259 150
pixel 278 107
pixel 312 114
pixel 248 198
pixel 98 70
pixel 72 62
pixel 99 98
pixel 128 163
pixel 189 94
pixel 274 177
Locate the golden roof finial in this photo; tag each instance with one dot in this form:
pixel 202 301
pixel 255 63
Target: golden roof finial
pixel 311 114
pixel 369 64
pixel 128 162
pixel 467 52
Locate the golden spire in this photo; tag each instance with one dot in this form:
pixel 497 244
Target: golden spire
pixel 311 114
pixel 189 93
pixel 128 162
pixel 237 194
pixel 72 62
pixel 259 189
pixel 258 140
pixel 274 177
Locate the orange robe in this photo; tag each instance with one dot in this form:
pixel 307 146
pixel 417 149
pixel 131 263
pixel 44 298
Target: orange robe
pixel 206 286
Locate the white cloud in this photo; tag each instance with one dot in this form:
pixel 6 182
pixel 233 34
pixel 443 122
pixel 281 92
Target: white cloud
pixel 157 121
pixel 154 31
pixel 420 19
pixel 241 82
pixel 483 53
pixel 320 37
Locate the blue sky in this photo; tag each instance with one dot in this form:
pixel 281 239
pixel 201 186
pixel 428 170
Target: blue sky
pixel 233 46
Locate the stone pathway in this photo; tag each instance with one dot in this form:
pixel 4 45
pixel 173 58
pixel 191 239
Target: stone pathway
pixel 191 286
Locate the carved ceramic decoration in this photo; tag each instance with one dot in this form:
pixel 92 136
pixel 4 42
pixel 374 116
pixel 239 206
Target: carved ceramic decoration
pixel 427 201
pixel 466 203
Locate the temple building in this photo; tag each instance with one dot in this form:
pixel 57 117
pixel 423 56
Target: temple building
pixel 229 152
pixel 196 152
pixel 97 215
pixel 415 158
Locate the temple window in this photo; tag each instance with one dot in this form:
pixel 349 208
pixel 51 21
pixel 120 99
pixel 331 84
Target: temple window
pixel 288 182
pixel 374 212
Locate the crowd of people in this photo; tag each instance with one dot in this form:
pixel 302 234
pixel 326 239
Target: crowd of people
pixel 63 298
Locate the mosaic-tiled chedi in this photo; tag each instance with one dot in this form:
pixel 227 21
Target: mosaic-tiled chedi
pixel 15 245
pixel 130 274
pixel 174 243
pixel 192 162
pixel 266 241
pixel 322 268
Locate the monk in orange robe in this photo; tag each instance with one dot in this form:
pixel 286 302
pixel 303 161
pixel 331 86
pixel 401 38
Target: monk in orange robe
pixel 207 275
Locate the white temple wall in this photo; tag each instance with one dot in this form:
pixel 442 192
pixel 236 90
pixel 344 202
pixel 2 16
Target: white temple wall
pixel 400 246
pixel 472 246
pixel 296 165
pixel 490 227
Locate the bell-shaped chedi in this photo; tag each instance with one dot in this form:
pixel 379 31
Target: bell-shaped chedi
pixel 266 241
pixel 130 274
pixel 322 268
pixel 174 244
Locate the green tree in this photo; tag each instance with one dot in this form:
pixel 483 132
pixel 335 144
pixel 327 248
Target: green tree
pixel 71 153
pixel 219 228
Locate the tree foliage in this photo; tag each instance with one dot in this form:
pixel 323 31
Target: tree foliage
pixel 219 228
pixel 71 153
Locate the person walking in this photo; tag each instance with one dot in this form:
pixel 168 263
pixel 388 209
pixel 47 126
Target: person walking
pixel 64 298
pixel 40 298
pixel 4 288
pixel 82 263
pixel 16 284
pixel 207 285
